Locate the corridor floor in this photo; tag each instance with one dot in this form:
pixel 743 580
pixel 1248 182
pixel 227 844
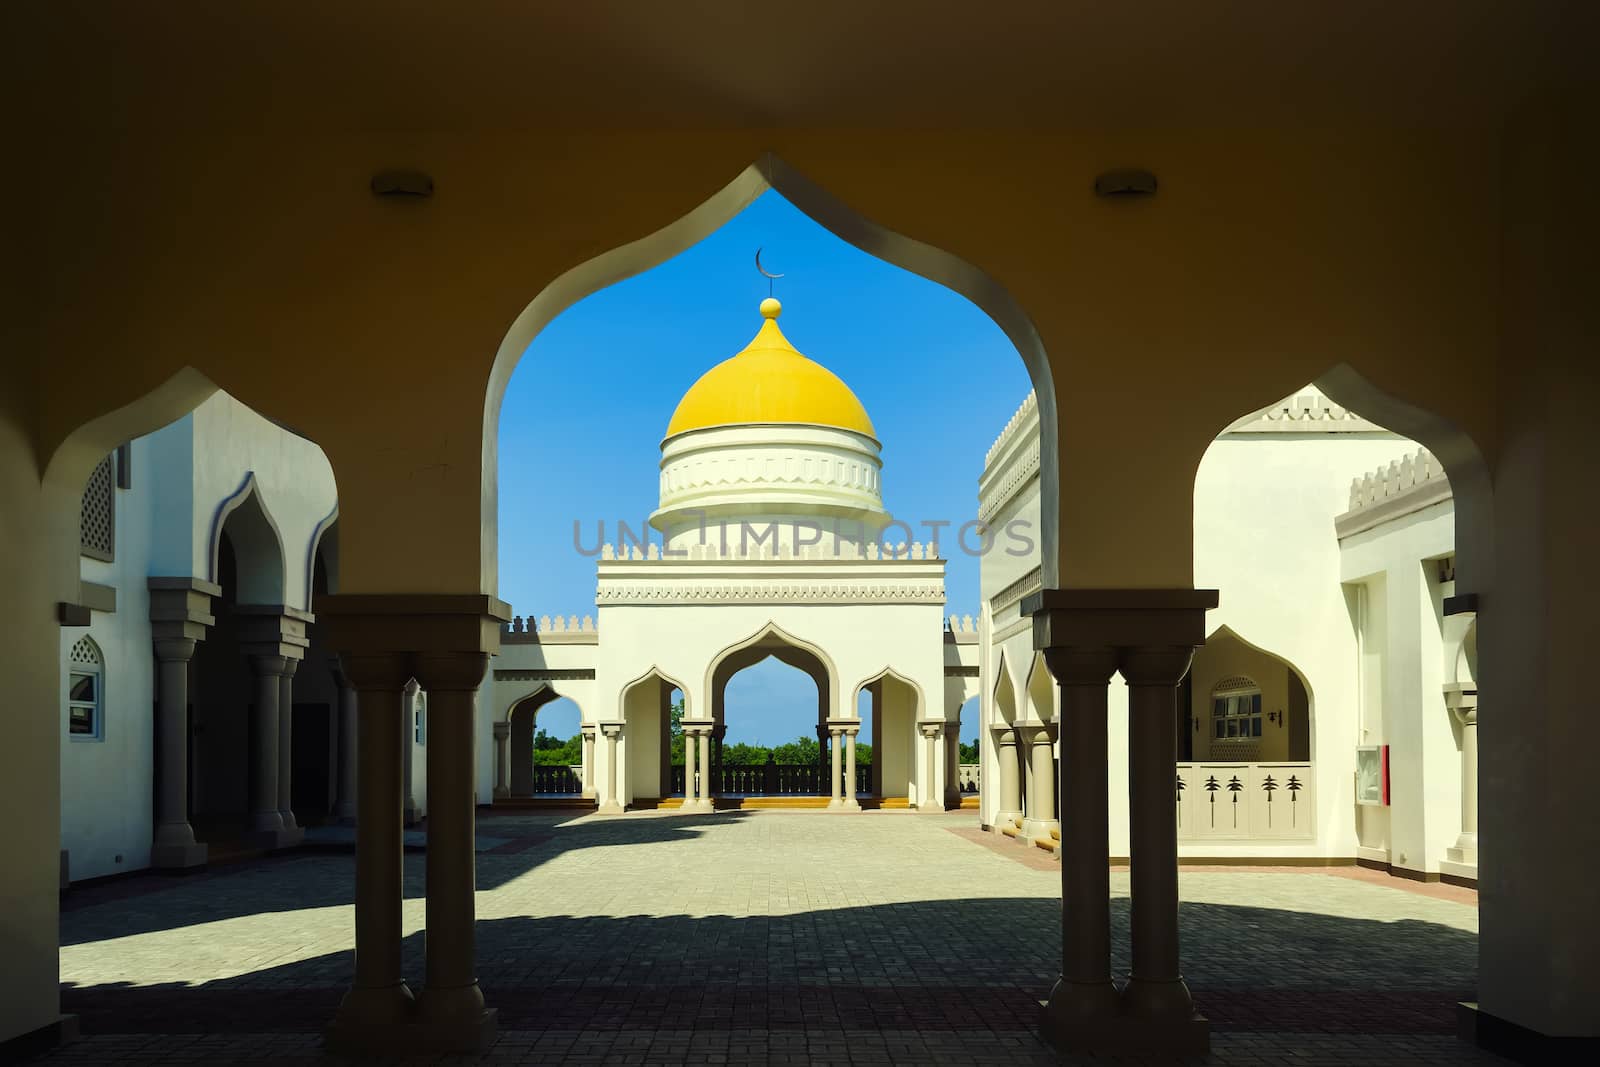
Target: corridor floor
pixel 760 937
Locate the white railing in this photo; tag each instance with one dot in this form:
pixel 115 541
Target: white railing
pixel 968 778
pixel 1251 801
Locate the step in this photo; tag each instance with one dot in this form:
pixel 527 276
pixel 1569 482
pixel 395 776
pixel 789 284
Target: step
pixel 572 802
pixel 969 802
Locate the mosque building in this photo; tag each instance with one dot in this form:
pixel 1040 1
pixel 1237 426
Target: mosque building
pixel 1329 717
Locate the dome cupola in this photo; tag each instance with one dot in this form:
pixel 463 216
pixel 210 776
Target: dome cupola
pixel 769 436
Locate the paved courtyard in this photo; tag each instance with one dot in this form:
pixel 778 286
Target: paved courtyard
pixel 761 937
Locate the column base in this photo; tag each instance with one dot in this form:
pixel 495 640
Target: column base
pixel 345 814
pixel 698 807
pixel 610 807
pixel 178 856
pixel 1035 828
pixel 501 791
pixel 1003 819
pixel 835 803
pixel 289 822
pixel 370 1036
pixel 275 839
pixel 410 815
pixel 1120 1035
pixel 850 804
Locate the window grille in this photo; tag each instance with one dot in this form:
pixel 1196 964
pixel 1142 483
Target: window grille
pixel 1236 709
pixel 85 691
pixel 97 521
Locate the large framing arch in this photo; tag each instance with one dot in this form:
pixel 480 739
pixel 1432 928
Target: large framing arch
pixel 837 217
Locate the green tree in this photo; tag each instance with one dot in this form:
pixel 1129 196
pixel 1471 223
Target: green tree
pixel 553 752
pixel 675 729
pixel 969 752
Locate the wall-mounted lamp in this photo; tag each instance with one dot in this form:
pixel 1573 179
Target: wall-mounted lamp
pixel 402 183
pixel 1126 182
pixel 1277 717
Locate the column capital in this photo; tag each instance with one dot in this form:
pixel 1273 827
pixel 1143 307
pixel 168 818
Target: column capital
pixel 1119 618
pixel 376 670
pixel 1157 665
pixel 1084 665
pixel 181 608
pixel 587 729
pixel 446 672
pixel 611 729
pixel 266 662
pixel 696 727
pixel 502 730
pixel 273 630
pixel 1005 733
pixel 413 622
pixel 931 728
pixel 174 649
pixel 1036 732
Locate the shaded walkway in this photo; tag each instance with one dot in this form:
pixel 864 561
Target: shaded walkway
pixel 876 938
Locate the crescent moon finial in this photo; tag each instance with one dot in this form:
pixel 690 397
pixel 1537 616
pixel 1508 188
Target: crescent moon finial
pixel 765 273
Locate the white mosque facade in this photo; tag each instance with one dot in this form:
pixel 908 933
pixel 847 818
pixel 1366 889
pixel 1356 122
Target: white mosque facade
pixel 1330 717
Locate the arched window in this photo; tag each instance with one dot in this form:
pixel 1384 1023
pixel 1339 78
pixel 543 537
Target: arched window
pixel 1236 709
pixel 85 691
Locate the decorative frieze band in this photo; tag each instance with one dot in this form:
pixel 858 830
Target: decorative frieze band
pixel 516 674
pixel 1031 582
pixel 992 499
pixel 623 592
pixel 1406 485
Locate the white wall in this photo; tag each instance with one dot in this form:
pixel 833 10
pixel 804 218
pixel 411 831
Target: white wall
pixel 1264 537
pixel 1404 600
pixel 106 784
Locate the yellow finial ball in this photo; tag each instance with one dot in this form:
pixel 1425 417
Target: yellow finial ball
pixel 770 308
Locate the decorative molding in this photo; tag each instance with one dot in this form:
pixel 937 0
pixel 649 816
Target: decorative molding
pixel 1017 474
pixel 518 674
pixel 1030 582
pixel 713 552
pixel 1308 411
pixel 962 671
pixel 930 591
pixel 568 630
pixel 1010 630
pixel 1406 485
pixel 1029 408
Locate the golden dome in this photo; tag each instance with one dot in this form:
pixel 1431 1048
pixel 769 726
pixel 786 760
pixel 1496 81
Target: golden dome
pixel 769 382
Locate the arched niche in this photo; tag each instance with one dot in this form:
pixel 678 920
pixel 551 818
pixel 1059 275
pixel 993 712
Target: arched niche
pixel 1246 704
pixel 244 520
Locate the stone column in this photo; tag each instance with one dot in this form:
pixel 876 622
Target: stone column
pixel 344 808
pixel 952 764
pixel 1084 994
pixel 521 753
pixel 691 788
pixel 1150 635
pixel 451 1002
pixel 835 757
pixel 502 760
pixel 1005 738
pixel 379 1001
pixel 929 795
pixel 266 821
pixel 707 791
pixel 1464 704
pixel 451 637
pixel 273 638
pixel 850 731
pixel 1155 988
pixel 586 731
pixel 174 847
pixel 610 790
pixel 1043 815
pixel 286 745
pixel 180 613
pixel 408 751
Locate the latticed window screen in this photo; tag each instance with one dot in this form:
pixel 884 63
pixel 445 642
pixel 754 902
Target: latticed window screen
pixel 1236 709
pixel 97 522
pixel 85 689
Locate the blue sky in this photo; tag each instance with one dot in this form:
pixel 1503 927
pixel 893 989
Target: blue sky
pixel 584 413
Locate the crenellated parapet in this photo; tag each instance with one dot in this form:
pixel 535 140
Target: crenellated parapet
pixel 1012 462
pixel 1406 485
pixel 1308 411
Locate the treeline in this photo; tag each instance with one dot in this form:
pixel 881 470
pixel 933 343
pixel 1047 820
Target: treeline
pixel 552 751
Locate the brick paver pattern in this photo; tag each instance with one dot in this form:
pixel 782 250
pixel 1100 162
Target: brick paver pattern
pixel 760 937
